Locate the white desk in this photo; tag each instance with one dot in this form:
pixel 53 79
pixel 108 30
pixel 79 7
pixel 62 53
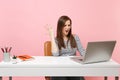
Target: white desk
pixel 58 66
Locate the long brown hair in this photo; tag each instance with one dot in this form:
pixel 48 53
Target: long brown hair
pixel 60 25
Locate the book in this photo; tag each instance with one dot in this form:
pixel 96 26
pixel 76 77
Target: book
pixel 25 57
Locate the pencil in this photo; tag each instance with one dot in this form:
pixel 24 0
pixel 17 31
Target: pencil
pixel 10 49
pixel 2 50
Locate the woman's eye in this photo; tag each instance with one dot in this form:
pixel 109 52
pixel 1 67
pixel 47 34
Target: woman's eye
pixel 64 25
pixel 67 25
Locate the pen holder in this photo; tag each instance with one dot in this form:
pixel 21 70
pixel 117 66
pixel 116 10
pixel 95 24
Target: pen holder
pixel 6 57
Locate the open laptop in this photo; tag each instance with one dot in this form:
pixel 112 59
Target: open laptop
pixel 99 51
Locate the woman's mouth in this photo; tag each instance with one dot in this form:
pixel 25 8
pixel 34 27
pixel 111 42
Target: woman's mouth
pixel 66 31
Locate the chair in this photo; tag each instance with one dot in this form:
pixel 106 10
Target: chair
pixel 47 48
pixel 47 52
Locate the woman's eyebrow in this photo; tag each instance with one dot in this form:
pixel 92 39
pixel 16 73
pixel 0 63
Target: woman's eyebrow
pixel 68 25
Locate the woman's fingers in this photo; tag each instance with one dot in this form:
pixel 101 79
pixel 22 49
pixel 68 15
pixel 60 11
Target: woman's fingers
pixel 49 29
pixel 46 27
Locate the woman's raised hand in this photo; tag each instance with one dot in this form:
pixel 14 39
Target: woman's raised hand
pixel 50 30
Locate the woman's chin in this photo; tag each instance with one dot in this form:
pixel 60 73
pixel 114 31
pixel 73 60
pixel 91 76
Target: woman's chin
pixel 66 34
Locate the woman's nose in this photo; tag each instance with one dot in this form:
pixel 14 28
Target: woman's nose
pixel 67 27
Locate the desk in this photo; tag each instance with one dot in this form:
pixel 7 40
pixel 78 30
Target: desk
pixel 58 66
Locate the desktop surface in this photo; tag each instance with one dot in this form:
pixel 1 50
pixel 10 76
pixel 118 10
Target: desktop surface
pixel 51 61
pixel 58 66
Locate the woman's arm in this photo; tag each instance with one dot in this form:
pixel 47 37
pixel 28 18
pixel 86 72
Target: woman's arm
pixel 54 46
pixel 79 45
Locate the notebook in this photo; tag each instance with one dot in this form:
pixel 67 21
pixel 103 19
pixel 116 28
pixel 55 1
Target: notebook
pixel 25 57
pixel 99 51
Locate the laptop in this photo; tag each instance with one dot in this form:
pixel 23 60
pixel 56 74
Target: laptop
pixel 99 51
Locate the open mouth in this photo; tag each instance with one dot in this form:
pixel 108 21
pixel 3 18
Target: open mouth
pixel 66 31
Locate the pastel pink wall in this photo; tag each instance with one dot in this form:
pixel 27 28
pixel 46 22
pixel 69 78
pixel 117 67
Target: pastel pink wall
pixel 22 24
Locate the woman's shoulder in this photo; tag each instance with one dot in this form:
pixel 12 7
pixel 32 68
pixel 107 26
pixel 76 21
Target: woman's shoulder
pixel 75 36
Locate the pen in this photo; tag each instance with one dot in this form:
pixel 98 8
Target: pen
pixel 10 49
pixel 6 49
pixel 2 50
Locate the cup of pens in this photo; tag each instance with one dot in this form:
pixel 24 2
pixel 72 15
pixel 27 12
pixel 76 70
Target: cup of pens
pixel 6 54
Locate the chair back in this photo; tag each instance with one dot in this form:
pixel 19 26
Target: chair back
pixel 47 48
pixel 47 52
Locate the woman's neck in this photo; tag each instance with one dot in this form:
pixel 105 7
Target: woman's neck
pixel 65 38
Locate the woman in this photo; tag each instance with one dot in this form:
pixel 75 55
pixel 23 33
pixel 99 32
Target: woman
pixel 65 43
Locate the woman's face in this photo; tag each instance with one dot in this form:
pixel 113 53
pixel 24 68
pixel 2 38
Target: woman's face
pixel 66 28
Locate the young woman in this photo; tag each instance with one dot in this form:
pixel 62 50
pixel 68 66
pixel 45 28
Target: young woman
pixel 65 43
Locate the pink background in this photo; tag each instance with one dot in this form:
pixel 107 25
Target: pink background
pixel 22 24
